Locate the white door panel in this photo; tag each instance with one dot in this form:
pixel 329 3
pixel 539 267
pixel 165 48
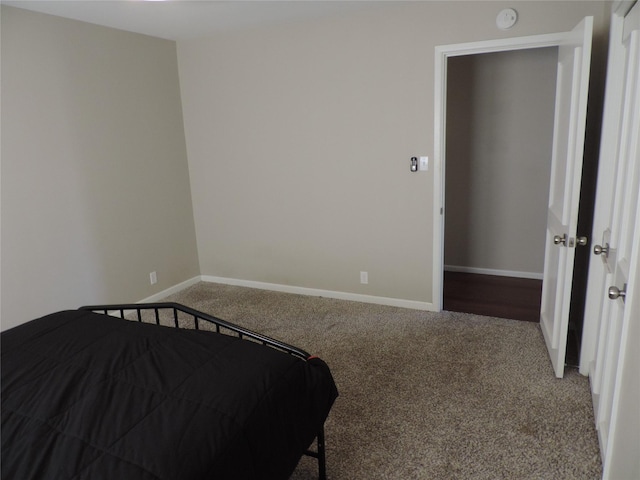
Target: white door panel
pixel 554 294
pixel 601 268
pixel 621 242
pixel 622 456
pixel 609 346
pixel 574 56
pixel 626 226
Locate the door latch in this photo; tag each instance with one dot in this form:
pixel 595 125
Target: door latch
pixel 572 242
pixel 614 292
pixel 600 250
pixel 560 240
pixel 582 241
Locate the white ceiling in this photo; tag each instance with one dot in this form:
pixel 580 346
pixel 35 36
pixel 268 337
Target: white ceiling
pixel 184 19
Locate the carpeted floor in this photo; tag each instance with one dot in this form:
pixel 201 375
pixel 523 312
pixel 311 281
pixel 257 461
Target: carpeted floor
pixel 426 395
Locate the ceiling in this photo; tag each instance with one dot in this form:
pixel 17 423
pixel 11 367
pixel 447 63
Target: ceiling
pixel 185 19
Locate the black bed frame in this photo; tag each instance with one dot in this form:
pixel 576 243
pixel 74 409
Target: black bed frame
pixel 223 327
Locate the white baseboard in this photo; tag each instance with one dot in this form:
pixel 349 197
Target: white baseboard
pixel 171 290
pixel 314 292
pixel 157 297
pixel 490 271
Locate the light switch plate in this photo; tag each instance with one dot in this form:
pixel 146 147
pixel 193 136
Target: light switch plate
pixel 423 164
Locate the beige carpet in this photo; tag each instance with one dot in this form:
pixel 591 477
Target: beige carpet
pixel 425 395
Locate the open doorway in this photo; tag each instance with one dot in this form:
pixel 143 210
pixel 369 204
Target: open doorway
pixel 566 178
pixel 500 117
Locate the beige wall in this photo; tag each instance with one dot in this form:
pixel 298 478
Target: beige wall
pixel 500 131
pixel 95 187
pixel 299 139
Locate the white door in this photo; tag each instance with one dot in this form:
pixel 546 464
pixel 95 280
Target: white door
pixel 601 267
pixel 614 379
pixel 574 56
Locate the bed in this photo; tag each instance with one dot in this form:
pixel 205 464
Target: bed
pixel 175 394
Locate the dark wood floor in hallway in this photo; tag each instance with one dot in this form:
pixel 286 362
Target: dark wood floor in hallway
pixel 491 295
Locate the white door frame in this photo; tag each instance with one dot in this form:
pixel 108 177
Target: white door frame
pixel 443 53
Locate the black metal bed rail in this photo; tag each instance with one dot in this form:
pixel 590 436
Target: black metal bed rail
pixel 220 325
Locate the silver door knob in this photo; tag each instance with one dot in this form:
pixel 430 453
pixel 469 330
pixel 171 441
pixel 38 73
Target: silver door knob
pixel 557 240
pixel 615 292
pixel 600 250
pixel 582 241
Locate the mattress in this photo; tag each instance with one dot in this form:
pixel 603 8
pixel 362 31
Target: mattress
pixel 89 396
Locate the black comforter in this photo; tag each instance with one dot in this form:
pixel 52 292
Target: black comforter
pixel 87 396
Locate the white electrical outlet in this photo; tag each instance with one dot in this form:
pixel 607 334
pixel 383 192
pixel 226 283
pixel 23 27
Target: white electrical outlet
pixel 364 277
pixel 153 278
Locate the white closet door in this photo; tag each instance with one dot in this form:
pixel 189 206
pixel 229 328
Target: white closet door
pixel 611 331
